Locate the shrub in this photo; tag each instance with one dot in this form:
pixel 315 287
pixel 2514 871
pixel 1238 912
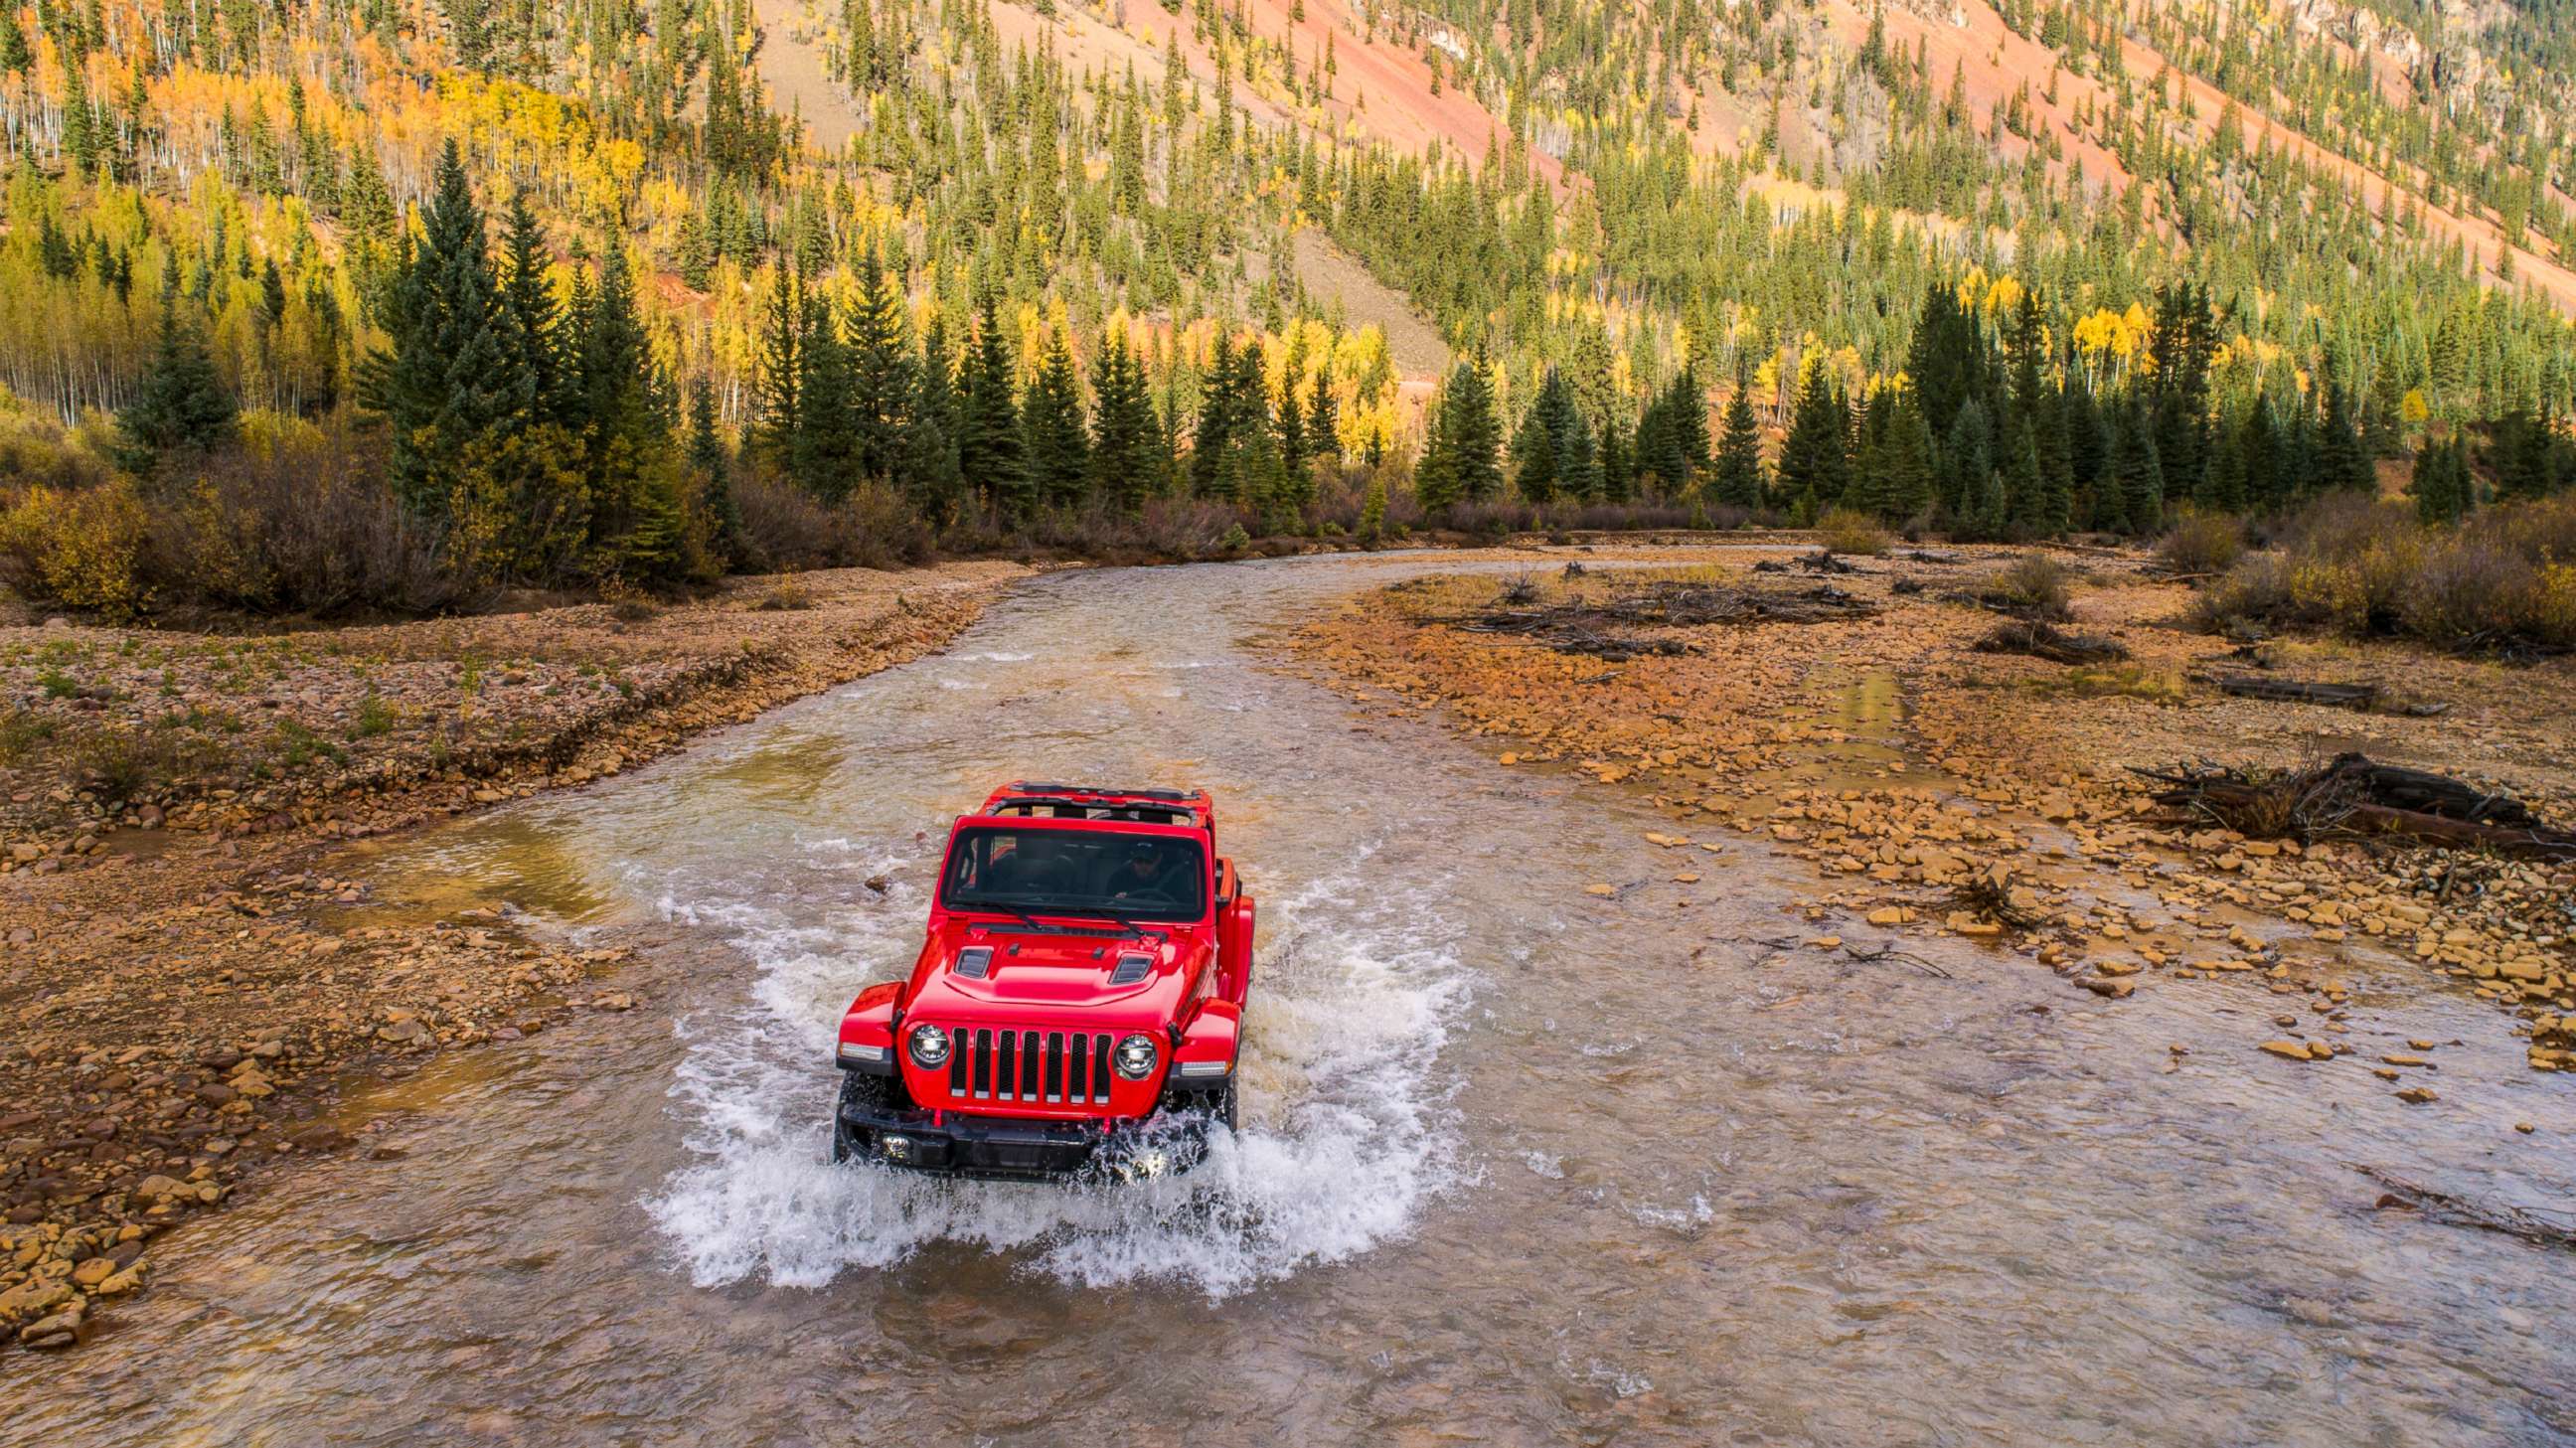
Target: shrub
pixel 2255 592
pixel 2368 570
pixel 784 596
pixel 786 529
pixel 375 718
pixel 309 528
pixel 21 730
pixel 2202 543
pixel 1848 530
pixel 2031 586
pixel 83 547
pixel 2466 594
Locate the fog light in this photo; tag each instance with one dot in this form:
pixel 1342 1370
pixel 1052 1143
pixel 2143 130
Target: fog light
pixel 896 1148
pixel 1136 1057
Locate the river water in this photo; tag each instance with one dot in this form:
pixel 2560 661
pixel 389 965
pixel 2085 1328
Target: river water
pixel 1517 1164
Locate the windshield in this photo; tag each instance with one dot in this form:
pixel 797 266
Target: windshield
pixel 1077 872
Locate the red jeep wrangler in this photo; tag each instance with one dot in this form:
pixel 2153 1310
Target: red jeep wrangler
pixel 1075 1006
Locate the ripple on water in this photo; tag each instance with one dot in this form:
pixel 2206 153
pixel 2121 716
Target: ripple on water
pixel 1344 1134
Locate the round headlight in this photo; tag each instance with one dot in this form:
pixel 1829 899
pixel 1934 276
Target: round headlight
pixel 929 1047
pixel 1136 1057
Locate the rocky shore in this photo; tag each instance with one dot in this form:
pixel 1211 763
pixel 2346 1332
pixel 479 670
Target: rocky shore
pixel 1851 720
pixel 192 965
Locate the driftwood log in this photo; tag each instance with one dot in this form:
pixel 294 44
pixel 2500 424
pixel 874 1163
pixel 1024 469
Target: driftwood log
pixel 1600 628
pixel 2363 697
pixel 2354 798
pixel 2044 641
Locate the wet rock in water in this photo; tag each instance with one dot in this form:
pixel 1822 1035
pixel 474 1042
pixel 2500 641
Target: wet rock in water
pixel 318 1136
pixel 2290 1050
pixel 62 1329
pixel 32 1299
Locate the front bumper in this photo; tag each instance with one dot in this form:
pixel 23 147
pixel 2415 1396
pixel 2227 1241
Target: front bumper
pixel 1020 1149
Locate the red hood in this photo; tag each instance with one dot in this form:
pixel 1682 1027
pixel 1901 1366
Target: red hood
pixel 1040 978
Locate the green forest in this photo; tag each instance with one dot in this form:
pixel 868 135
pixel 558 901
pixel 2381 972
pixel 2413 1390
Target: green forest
pixel 328 307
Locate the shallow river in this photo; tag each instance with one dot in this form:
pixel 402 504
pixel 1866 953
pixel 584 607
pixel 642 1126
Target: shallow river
pixel 1517 1164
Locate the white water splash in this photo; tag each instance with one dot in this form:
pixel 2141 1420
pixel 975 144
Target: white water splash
pixel 1345 1131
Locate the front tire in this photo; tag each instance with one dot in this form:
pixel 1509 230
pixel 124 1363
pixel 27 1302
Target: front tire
pixel 859 1092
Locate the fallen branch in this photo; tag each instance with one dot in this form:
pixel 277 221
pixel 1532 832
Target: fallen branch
pixel 2460 1211
pixel 2354 798
pixel 1989 899
pixel 2292 691
pixel 1890 952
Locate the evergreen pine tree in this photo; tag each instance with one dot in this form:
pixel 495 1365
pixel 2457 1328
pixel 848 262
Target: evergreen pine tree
pixel 436 388
pixel 989 450
pixel 182 404
pixel 1211 443
pixel 823 453
pixel 926 471
pixel 2027 508
pixel 1124 430
pixel 2342 460
pixel 1736 480
pixel 1059 441
pixel 1815 460
pixel 1459 465
pixel 635 482
pixel 1324 420
pixel 881 370
pixel 1967 461
pixel 780 377
pixel 1534 446
pixel 1909 461
pixel 708 459
pixel 2441 482
pixel 528 322
pixel 2142 475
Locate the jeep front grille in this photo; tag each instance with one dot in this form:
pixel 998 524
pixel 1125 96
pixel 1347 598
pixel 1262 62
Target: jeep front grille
pixel 1029 1065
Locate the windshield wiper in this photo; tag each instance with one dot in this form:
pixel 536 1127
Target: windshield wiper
pixel 1028 922
pixel 1089 909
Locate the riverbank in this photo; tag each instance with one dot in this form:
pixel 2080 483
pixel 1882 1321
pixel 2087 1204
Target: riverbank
pixel 186 984
pixel 1935 790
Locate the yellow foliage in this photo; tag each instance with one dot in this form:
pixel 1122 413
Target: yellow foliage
pixel 83 547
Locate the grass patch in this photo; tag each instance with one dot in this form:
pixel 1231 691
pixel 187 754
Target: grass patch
pixel 2111 681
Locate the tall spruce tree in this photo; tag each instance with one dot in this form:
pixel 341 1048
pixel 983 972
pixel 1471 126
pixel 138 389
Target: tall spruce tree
pixel 1124 431
pixel 182 404
pixel 823 454
pixel 1460 463
pixel 990 453
pixel 635 473
pixel 438 388
pixel 1815 460
pixel 1736 480
pixel 714 467
pixel 786 317
pixel 1059 440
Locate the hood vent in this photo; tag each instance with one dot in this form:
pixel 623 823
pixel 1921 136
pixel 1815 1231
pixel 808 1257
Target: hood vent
pixel 975 962
pixel 1131 969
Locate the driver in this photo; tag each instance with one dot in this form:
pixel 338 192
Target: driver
pixel 1142 876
